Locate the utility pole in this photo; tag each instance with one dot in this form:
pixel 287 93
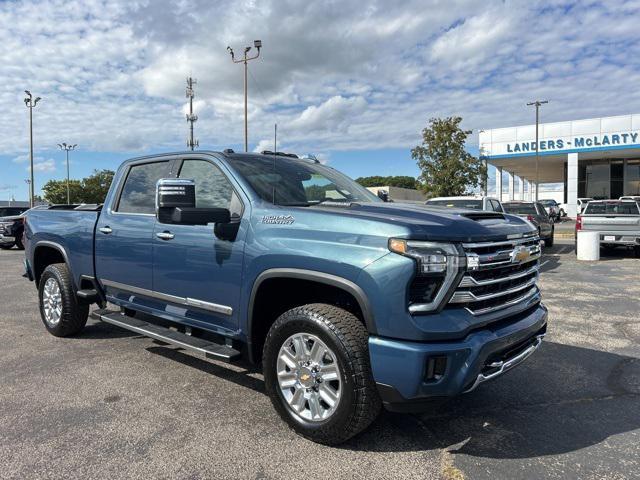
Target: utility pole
pixel 30 102
pixel 66 148
pixel 28 182
pixel 537 104
pixel 258 45
pixel 191 117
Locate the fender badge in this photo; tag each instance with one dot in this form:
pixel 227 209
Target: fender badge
pixel 278 219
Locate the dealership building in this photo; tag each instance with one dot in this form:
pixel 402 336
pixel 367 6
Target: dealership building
pixel 596 157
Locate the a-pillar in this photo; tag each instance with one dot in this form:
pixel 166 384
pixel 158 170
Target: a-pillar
pixel 572 185
pixel 499 183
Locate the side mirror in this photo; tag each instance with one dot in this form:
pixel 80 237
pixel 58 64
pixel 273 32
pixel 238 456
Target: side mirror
pixel 176 204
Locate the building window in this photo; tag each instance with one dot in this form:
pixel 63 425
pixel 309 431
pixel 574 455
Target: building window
pixel 632 177
pixel 617 178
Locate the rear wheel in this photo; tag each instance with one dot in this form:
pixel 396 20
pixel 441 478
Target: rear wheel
pixel 549 241
pixel 19 243
pixel 61 314
pixel 6 246
pixel 317 373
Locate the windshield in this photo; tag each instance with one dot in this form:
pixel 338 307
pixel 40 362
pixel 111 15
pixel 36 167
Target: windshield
pixel 520 208
pixel 616 208
pixel 298 182
pixel 548 203
pixel 471 203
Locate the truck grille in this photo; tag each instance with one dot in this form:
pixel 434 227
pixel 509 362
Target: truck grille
pixel 499 275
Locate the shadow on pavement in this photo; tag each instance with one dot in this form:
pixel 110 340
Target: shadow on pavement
pixel 563 399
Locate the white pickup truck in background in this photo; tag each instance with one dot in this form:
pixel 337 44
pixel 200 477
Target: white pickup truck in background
pixel 618 222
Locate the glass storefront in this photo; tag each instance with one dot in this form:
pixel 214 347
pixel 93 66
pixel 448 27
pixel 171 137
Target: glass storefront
pixel 609 178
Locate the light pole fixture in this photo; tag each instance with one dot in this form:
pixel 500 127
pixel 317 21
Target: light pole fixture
pixel 66 148
pixel 31 102
pixel 537 104
pixel 245 59
pixel 191 117
pixel 28 182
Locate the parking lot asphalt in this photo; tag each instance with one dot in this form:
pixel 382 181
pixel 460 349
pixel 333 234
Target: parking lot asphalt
pixel 112 404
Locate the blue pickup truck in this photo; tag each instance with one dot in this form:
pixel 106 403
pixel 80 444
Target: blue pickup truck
pixel 348 303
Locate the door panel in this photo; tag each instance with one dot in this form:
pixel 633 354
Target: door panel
pixel 124 254
pixel 203 271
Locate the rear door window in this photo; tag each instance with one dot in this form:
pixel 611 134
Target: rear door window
pixel 139 191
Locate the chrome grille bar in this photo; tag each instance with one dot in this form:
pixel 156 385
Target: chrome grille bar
pixel 469 281
pixel 468 296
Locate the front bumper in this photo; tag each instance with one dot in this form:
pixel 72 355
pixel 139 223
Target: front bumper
pixel 400 367
pixel 6 239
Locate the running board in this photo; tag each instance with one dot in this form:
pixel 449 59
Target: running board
pixel 208 348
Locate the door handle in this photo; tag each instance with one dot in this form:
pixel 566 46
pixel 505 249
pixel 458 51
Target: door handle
pixel 165 235
pixel 106 230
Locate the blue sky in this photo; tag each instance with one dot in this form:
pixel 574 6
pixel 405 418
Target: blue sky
pixel 352 82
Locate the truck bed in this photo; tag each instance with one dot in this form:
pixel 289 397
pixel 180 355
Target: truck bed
pixel 617 222
pixel 70 230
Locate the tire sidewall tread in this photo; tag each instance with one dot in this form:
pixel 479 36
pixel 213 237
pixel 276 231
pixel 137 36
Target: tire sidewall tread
pixel 345 334
pixel 74 316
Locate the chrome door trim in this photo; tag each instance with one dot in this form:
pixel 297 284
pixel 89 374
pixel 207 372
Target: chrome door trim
pixel 191 302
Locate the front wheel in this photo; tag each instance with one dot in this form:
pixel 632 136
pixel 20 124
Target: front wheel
pixel 317 373
pixel 549 241
pixel 61 314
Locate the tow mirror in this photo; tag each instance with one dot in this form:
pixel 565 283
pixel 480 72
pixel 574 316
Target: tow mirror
pixel 176 203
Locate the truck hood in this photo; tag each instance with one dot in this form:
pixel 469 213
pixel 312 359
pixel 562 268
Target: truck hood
pixel 440 223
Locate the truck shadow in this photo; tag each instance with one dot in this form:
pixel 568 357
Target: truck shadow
pixel 563 399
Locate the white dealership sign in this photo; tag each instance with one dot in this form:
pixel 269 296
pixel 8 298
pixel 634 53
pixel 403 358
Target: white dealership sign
pixel 608 133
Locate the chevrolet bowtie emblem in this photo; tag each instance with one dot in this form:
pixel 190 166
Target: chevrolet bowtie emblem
pixel 520 254
pixel 304 377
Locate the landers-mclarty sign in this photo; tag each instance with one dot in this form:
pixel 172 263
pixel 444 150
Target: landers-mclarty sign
pixel 577 142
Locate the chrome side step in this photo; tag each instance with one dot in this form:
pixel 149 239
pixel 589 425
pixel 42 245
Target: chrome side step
pixel 163 334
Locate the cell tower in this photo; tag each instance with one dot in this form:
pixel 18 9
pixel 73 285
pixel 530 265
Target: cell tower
pixel 191 117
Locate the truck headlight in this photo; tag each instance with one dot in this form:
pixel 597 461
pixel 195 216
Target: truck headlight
pixel 437 266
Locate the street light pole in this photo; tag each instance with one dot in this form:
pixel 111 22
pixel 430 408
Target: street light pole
pixel 66 148
pixel 30 102
pixel 537 104
pixel 258 45
pixel 191 117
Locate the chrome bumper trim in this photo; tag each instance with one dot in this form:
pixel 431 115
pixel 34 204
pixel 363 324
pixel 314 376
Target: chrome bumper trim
pixel 507 365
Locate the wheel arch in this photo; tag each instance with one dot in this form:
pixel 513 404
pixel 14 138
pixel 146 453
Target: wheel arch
pixel 46 253
pixel 348 287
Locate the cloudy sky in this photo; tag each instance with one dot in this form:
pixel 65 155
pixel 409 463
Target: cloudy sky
pixel 353 82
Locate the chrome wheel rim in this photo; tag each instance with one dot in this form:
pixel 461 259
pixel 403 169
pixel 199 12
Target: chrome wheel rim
pixel 309 377
pixel 52 302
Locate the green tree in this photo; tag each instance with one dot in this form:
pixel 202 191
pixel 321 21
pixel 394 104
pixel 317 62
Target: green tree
pixel 92 189
pixel 447 168
pixel 401 181
pixel 96 186
pixel 55 191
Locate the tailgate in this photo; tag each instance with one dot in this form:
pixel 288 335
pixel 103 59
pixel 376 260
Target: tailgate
pixel 618 223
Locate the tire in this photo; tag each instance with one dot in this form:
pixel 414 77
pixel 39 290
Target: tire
pixel 346 338
pixel 19 243
pixel 6 246
pixel 60 312
pixel 548 242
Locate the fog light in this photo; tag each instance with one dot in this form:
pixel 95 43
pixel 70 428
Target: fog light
pixel 436 367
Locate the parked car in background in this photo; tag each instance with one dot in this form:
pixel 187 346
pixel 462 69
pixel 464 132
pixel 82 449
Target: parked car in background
pixel 536 214
pixel 553 208
pixel 580 205
pixel 12 211
pixel 635 198
pixel 618 222
pixel 11 227
pixel 251 255
pixel 474 203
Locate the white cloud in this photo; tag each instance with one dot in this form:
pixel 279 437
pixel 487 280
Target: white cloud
pixel 333 76
pixel 48 165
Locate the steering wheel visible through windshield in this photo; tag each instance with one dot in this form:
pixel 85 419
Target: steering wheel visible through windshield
pixel 298 182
